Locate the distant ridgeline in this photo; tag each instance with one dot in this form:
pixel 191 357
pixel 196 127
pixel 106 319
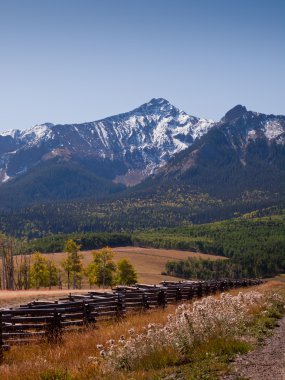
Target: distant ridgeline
pixel 254 245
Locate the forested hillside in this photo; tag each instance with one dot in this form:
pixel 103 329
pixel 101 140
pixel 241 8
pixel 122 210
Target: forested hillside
pixel 226 238
pixel 53 181
pixel 254 244
pixel 165 207
pixel 255 247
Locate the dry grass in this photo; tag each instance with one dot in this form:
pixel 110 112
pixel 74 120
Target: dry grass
pixel 10 298
pixel 148 262
pixel 280 278
pixel 28 362
pixel 77 349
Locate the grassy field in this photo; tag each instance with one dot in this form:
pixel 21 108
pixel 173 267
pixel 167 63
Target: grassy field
pixel 11 298
pixel 280 278
pixel 74 358
pixel 148 262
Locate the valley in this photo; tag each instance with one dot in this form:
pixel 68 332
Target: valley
pixel 142 190
pixel 176 197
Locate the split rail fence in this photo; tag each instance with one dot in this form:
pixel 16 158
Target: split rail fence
pixel 48 319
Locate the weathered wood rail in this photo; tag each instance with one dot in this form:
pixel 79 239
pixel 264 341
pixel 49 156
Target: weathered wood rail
pixel 48 319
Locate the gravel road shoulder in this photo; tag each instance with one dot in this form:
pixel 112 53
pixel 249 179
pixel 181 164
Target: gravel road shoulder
pixel 267 362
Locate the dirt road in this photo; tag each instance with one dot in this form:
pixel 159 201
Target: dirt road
pixel 267 362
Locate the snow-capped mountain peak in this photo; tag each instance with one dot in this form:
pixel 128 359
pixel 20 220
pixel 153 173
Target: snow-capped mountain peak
pixel 157 105
pixel 135 143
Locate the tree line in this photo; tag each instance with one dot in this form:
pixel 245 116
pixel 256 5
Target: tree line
pixel 255 248
pixel 25 271
pixel 239 267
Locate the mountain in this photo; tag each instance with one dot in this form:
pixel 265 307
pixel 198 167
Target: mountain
pixel 125 148
pixel 245 151
pixel 190 171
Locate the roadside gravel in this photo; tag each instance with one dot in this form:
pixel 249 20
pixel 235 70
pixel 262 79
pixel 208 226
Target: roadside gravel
pixel 267 362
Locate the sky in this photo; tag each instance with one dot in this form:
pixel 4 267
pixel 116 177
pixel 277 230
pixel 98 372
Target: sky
pixel 71 61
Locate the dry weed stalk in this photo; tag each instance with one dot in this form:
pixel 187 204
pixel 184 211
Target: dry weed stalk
pixel 189 325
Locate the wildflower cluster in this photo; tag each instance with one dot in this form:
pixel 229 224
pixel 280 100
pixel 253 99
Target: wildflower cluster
pixel 191 323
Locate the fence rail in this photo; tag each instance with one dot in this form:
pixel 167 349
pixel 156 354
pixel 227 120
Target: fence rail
pixel 48 319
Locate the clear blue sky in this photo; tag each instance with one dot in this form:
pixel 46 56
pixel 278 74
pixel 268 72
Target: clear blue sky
pixel 80 60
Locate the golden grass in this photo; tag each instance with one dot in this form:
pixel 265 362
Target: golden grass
pixel 27 362
pixel 10 298
pixel 78 348
pixel 148 262
pixel 280 277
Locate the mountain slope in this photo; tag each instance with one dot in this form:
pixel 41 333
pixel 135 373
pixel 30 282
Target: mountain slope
pixel 245 151
pixel 55 180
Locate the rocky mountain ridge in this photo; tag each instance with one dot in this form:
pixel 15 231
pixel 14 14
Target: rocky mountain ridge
pixel 155 143
pixel 140 140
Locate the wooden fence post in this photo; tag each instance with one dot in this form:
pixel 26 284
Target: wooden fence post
pixel 161 298
pixel 120 306
pixel 55 328
pixel 145 301
pixel 1 340
pixel 200 290
pixel 178 294
pixel 87 317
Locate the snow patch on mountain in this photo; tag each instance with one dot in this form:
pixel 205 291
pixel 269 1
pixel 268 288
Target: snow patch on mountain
pixel 252 135
pixel 201 128
pixel 5 177
pixel 273 129
pixel 179 145
pixel 37 134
